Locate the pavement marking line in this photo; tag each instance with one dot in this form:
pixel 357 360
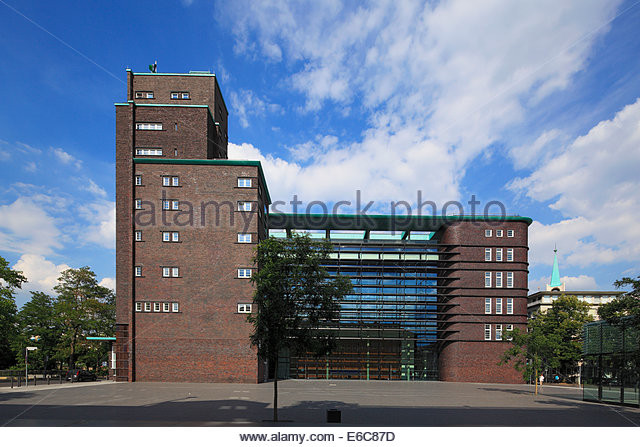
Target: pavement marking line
pixel 27 409
pixel 619 413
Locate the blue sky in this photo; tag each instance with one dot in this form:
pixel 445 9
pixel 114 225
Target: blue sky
pixel 534 104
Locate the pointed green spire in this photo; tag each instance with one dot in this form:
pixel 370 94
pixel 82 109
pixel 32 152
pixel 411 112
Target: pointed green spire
pixel 555 274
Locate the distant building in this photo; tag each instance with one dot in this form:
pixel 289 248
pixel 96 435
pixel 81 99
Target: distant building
pixel 542 301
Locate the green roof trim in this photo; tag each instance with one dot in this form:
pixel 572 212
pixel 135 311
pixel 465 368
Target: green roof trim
pixel 215 162
pixel 381 222
pixel 175 74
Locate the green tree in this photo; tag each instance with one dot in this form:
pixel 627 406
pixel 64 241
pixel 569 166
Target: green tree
pixel 38 326
pixel 627 305
pixel 83 308
pixel 294 295
pixel 9 281
pixel 553 339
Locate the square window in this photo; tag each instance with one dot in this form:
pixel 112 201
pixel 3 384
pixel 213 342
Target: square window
pixel 156 307
pixel 175 181
pixel 510 279
pixel 510 233
pixel 175 236
pixel 509 254
pixel 138 204
pixel 138 270
pixel 175 307
pixel 175 272
pixel 509 328
pixel 166 204
pixel 487 233
pixel 498 279
pixel 498 332
pixel 138 307
pixel 487 305
pixel 487 254
pixel 498 305
pixel 510 306
pixel 244 238
pixel 244 308
pixel 185 95
pixel 166 272
pixel 175 95
pixel 138 95
pixel 244 273
pixel 498 254
pixel 175 205
pixel 487 332
pixel 147 307
pixel 138 235
pixel 498 233
pixel 138 180
pixel 244 182
pixel 149 95
pixel 166 181
pixel 166 236
pixel 166 307
pixel 487 279
pixel 244 206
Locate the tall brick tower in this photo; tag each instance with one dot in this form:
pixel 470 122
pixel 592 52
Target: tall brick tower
pixel 187 223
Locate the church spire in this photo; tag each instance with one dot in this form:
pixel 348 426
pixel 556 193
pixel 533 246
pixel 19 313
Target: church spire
pixel 555 284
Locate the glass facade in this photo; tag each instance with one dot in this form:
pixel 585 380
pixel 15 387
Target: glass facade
pixel 387 328
pixel 610 371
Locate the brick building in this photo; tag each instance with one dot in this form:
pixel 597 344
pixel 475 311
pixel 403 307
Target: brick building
pixel 432 295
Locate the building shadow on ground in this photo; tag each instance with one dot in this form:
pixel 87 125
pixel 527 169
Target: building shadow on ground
pixel 237 412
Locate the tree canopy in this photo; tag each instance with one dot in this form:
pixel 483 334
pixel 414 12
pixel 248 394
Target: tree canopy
pixel 82 308
pixel 9 281
pixel 626 308
pixel 553 339
pixel 294 295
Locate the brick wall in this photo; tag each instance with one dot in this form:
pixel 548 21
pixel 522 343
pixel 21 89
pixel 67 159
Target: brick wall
pixel 465 355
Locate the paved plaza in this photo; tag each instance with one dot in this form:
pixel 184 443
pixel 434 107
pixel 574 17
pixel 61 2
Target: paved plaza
pixel 304 403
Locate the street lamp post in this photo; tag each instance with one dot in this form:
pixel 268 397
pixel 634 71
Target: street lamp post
pixel 26 363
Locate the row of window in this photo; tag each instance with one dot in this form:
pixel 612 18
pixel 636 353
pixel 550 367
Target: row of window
pixel 499 257
pixel 499 233
pixel 146 306
pixel 174 180
pixel 487 305
pixel 487 331
pixel 174 95
pixel 174 205
pixel 157 307
pixel 174 272
pixel 499 276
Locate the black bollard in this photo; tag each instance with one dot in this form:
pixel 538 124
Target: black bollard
pixel 334 416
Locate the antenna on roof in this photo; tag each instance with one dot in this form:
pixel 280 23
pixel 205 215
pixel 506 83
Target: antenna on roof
pixel 153 68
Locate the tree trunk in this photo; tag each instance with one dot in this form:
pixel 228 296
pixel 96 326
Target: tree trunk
pixel 275 395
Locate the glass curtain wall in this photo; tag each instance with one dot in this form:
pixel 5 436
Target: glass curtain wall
pixel 610 371
pixel 387 327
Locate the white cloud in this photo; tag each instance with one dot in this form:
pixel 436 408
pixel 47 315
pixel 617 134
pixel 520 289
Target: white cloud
pixel 25 226
pixel 438 83
pixel 31 166
pixel 108 282
pixel 572 283
pixel 66 158
pixel 93 188
pixel 27 149
pixel 594 183
pixel 42 274
pixel 542 148
pixel 101 223
pixel 245 103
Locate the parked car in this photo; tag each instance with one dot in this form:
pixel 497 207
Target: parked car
pixel 80 375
